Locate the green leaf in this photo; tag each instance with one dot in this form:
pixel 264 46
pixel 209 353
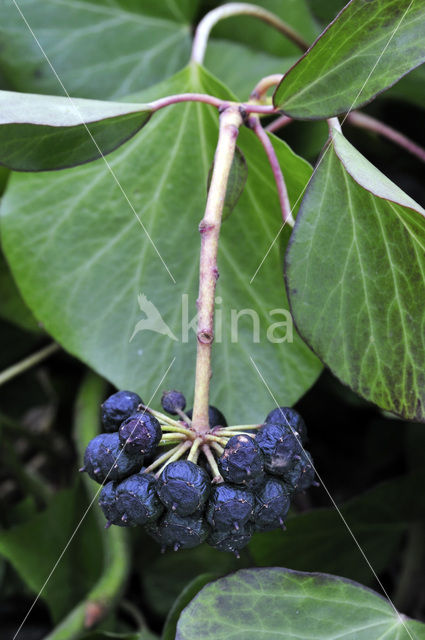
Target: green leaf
pixel 355 274
pixel 84 262
pixel 102 49
pixel 34 547
pixel 318 540
pixel 263 604
pixel 38 133
pixel 188 593
pixel 365 50
pixel 236 183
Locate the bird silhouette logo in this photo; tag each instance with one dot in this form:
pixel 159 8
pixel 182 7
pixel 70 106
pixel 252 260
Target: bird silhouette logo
pixel 153 320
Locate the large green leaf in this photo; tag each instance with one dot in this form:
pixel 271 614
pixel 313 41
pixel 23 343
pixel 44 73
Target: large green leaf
pixel 318 540
pixel 355 279
pixel 34 547
pixel 102 49
pixel 366 49
pixel 264 604
pixel 39 133
pixel 82 259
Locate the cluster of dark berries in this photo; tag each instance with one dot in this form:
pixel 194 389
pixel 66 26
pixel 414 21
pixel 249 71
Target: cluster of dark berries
pixel 235 480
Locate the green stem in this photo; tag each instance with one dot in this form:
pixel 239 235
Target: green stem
pixel 213 464
pixel 231 9
pixel 157 463
pixel 178 452
pixel 180 429
pixel 160 416
pixel 230 121
pixel 104 595
pixel 241 427
pixel 27 363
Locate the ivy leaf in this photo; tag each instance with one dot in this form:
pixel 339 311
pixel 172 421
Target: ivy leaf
pixel 102 49
pixel 366 49
pixel 236 183
pixel 355 276
pixel 262 604
pixel 87 269
pixel 38 133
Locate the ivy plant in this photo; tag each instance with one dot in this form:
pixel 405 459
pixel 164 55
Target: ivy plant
pixel 156 227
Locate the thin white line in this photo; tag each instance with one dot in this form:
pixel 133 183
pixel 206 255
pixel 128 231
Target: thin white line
pixel 86 512
pixel 94 141
pixel 327 149
pixel 347 526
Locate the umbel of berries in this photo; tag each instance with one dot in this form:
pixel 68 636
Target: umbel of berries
pixel 217 486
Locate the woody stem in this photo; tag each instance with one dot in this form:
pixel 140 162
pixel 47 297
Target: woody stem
pixel 209 228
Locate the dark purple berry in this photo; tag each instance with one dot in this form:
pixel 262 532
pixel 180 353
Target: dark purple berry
pixel 110 506
pixel 272 504
pixel 241 461
pixel 173 402
pixel 229 507
pixel 301 475
pixel 290 418
pixel 179 532
pixel 137 499
pixel 184 487
pixel 231 541
pixel 140 433
pixel 117 408
pixel 104 459
pixel 279 446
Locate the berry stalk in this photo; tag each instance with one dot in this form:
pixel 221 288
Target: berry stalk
pixel 209 228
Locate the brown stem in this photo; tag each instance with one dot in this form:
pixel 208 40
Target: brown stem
pixel 209 228
pixel 371 124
